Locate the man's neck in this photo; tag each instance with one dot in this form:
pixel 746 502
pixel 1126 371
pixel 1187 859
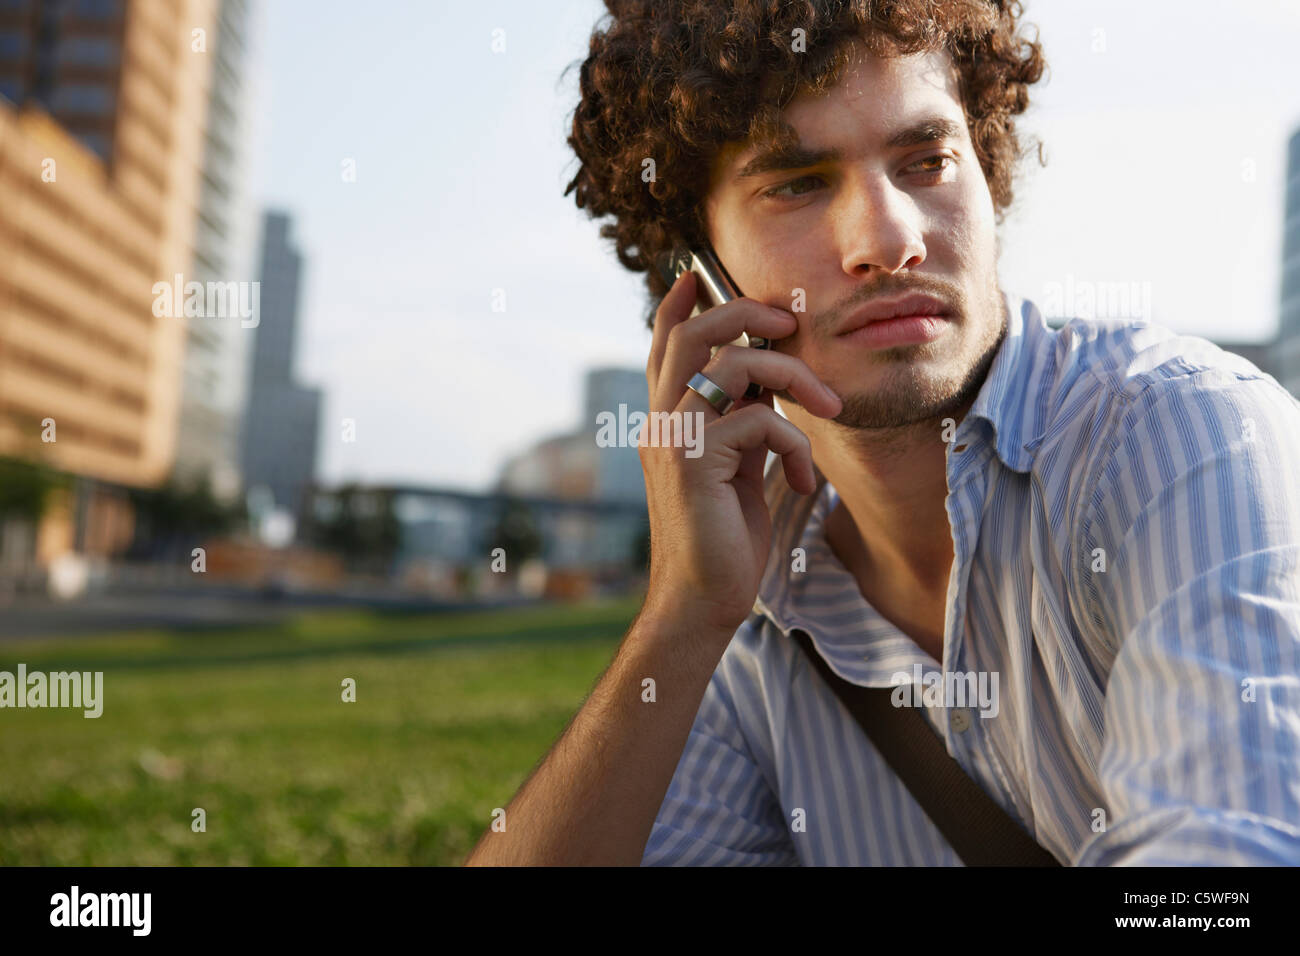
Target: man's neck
pixel 891 528
pixel 894 485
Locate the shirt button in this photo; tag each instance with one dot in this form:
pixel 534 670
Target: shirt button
pixel 960 720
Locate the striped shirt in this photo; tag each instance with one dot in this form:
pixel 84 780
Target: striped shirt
pixel 1125 512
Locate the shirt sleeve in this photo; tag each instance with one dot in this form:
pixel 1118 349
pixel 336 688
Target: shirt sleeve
pixel 719 809
pixel 1198 509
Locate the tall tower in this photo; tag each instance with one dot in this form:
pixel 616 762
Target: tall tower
pixel 1289 332
pixel 619 476
pixel 216 349
pixel 281 420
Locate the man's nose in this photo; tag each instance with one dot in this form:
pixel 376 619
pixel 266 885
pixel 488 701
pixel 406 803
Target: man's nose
pixel 879 228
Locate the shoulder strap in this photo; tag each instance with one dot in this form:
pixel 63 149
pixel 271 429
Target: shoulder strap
pixel 978 829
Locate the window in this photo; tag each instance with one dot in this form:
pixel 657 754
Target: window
pixel 97 144
pixel 81 98
pixel 12 45
pixel 94 9
pixel 88 51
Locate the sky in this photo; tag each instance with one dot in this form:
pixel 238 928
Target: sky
pixel 1165 126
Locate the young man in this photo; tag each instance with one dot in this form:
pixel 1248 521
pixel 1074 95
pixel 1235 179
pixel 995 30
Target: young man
pixel 1100 525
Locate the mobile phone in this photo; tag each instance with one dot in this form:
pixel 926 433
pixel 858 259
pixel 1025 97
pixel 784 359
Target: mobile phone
pixel 713 287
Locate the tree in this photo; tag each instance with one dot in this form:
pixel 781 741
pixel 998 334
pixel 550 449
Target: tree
pixel 25 488
pixel 169 520
pixel 359 524
pixel 516 533
pixel 641 548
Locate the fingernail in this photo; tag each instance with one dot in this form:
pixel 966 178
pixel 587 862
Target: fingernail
pixel 827 389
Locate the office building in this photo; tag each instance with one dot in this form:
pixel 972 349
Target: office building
pixel 1288 341
pixel 282 417
pixel 619 476
pixel 214 382
pixel 102 112
pixel 574 465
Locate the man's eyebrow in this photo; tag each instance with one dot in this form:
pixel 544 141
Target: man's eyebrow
pixel 790 154
pixel 929 130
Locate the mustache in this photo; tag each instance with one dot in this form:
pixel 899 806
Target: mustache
pixel 830 319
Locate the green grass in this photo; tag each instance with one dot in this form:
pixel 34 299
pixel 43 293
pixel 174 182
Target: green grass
pixel 452 713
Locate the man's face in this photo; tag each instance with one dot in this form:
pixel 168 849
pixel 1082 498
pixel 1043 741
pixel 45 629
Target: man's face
pixel 883 196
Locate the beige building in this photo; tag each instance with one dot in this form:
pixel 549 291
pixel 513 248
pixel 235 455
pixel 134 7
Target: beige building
pixel 565 466
pixel 99 187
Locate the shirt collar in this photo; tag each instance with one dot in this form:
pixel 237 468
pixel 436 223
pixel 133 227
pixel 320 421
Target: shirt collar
pixel 1008 401
pixel 1004 404
pixel 791 529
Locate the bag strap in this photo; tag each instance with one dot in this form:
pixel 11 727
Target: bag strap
pixel 978 829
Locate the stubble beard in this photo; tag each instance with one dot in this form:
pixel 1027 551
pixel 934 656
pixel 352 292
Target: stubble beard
pixel 905 399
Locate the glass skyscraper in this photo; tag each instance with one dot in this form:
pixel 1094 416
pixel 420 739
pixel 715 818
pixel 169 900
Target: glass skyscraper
pixel 1289 331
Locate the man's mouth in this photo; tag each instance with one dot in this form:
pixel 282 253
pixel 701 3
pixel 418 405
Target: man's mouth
pixel 911 306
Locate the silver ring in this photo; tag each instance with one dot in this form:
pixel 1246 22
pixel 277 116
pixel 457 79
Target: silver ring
pixel 711 392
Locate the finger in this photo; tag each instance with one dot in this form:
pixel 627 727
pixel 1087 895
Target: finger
pixel 674 309
pixel 690 344
pixel 725 323
pixel 692 401
pixel 734 367
pixel 758 425
pixel 751 469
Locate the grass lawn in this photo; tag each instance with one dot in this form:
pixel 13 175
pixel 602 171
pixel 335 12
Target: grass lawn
pixel 451 715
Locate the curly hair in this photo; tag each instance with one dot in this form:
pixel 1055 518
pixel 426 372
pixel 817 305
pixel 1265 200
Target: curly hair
pixel 676 80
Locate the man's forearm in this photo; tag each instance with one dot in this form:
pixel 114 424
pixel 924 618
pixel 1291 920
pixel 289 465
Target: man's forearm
pixel 594 799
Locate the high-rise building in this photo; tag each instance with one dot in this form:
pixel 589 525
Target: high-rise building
pixel 582 464
pixel 102 112
pixel 619 476
pixel 281 419
pixel 1288 339
pixel 216 348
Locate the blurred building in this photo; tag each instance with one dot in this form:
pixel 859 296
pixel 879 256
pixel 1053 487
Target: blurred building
pixel 563 466
pixel 574 465
pixel 584 494
pixel 216 348
pixel 282 418
pixel 1288 344
pixel 446 538
pixel 618 468
pixel 103 110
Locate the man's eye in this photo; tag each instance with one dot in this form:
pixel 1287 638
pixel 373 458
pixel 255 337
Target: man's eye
pixel 777 192
pixel 922 167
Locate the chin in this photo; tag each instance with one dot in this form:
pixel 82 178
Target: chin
pixel 904 397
